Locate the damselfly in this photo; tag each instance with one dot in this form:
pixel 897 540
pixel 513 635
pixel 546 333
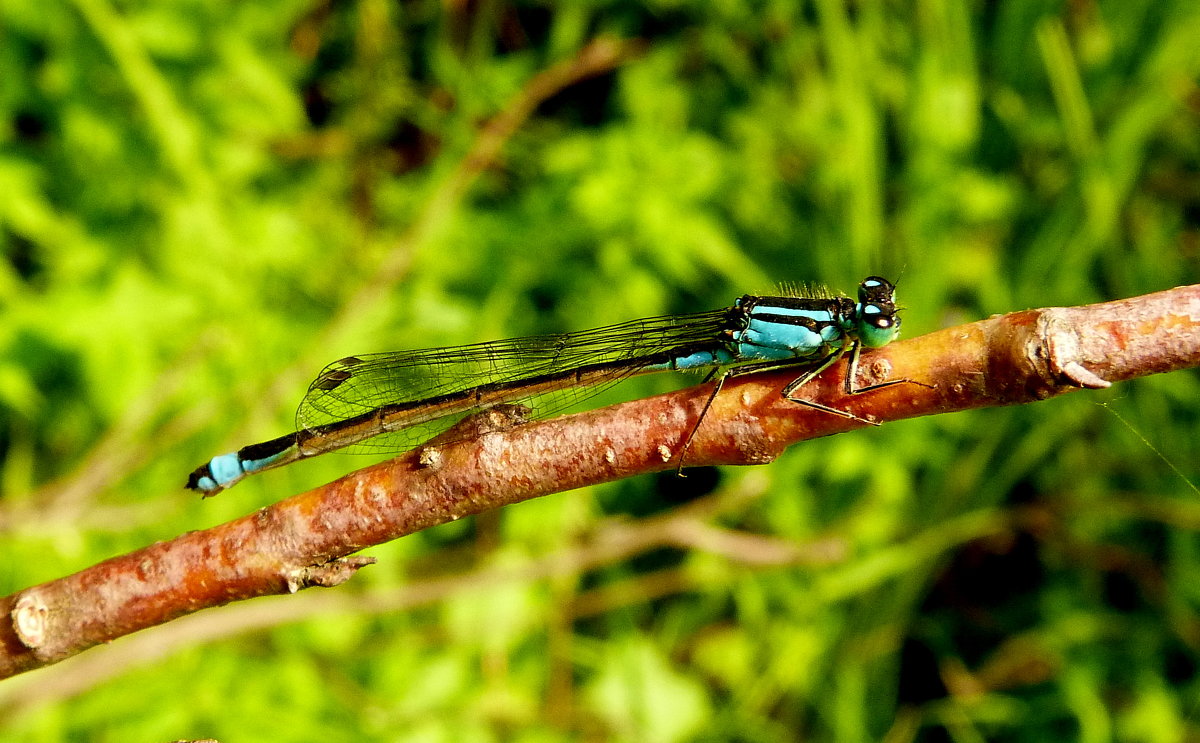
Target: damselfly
pixel 370 401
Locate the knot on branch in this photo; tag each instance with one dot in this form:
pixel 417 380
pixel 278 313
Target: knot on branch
pixel 327 574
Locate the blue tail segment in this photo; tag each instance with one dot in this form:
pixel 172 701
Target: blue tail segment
pixel 225 470
pixel 356 399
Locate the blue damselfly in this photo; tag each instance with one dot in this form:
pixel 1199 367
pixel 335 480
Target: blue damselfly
pixel 376 401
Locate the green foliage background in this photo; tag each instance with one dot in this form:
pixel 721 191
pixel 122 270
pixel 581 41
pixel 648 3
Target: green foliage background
pixel 202 202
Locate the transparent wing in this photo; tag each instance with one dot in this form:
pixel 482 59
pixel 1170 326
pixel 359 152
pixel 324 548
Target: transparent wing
pixel 356 385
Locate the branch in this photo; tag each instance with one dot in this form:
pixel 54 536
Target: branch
pixel 306 540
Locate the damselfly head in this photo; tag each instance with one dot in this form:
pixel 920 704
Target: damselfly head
pixel 877 321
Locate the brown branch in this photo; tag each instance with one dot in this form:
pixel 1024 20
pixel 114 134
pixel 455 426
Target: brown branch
pixel 306 540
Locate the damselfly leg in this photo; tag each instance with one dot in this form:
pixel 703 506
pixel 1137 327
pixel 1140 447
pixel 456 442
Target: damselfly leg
pixel 851 385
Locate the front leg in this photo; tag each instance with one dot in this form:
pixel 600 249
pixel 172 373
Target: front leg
pixel 826 362
pixel 851 373
pixel 851 379
pixel 721 375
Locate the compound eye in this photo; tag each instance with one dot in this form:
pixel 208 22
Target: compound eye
pixel 875 287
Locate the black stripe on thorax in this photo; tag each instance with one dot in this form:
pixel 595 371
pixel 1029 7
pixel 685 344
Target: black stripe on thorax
pixel 840 305
pixel 806 322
